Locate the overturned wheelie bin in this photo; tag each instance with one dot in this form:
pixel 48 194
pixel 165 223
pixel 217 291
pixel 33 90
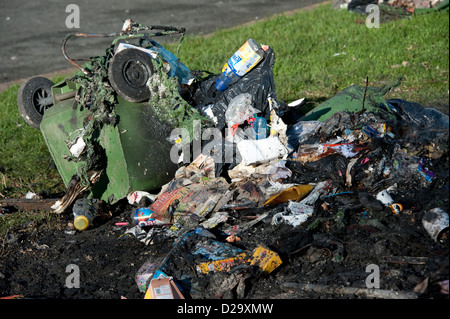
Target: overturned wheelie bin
pixel 100 125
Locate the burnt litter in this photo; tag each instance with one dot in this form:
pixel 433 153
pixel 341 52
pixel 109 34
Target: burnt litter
pixel 342 206
pixel 346 233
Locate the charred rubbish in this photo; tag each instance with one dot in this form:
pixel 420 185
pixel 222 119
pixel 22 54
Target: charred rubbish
pixel 305 210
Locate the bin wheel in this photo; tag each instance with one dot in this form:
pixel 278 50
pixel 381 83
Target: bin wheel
pixel 33 98
pixel 129 71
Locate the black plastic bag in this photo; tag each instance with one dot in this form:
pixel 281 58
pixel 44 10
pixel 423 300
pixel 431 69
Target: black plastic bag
pixel 330 167
pixel 429 120
pixel 359 6
pixel 258 83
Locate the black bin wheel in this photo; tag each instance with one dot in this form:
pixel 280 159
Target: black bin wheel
pixel 33 98
pixel 129 71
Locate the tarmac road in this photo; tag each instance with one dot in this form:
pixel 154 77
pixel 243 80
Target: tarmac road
pixel 31 32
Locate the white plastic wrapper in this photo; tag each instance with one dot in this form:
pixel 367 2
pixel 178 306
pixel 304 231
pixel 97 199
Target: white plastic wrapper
pixel 298 212
pixel 261 151
pixel 77 148
pixel 136 196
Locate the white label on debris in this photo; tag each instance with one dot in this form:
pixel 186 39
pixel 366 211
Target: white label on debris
pixel 77 148
pixel 123 46
pixel 163 292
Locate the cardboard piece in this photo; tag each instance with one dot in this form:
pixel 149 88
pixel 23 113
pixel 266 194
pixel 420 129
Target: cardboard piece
pixel 294 193
pixel 198 199
pixel 163 288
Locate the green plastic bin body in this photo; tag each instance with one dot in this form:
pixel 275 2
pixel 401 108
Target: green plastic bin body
pixel 136 150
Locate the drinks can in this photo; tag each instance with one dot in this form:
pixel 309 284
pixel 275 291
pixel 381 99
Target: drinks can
pixel 143 217
pixel 435 222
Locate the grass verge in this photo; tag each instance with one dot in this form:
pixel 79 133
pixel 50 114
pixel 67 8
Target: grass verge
pixel 322 51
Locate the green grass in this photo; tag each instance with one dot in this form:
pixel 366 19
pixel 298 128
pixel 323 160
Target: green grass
pixel 25 163
pixel 304 44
